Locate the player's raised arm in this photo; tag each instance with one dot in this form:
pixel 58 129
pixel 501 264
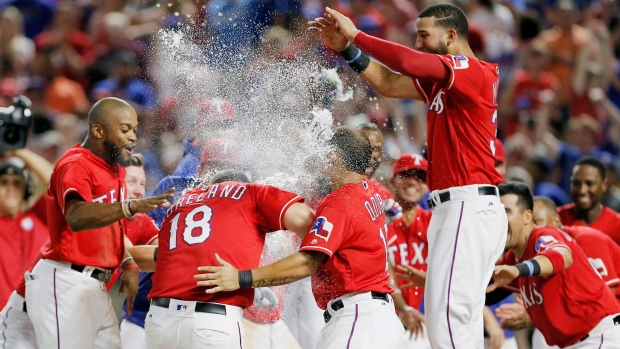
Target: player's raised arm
pixel 298 219
pixel 82 215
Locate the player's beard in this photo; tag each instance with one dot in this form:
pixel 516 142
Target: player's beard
pixel 115 153
pixel 442 49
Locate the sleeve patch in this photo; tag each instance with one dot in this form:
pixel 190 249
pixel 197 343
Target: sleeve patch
pixel 545 242
pixel 322 228
pixel 460 62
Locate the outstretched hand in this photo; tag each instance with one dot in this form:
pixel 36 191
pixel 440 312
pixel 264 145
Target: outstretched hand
pixel 502 276
pixel 407 272
pixel 147 204
pixel 224 277
pixel 336 30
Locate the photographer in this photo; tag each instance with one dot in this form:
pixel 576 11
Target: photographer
pixel 24 229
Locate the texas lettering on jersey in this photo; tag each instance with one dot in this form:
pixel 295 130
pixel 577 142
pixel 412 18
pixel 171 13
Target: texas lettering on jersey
pixel 417 253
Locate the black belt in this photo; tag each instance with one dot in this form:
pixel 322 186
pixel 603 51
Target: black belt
pixel 201 307
pixel 337 305
pixel 24 309
pixel 103 276
pixel 616 322
pixel 445 196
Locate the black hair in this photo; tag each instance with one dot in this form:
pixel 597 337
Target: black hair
pixel 230 176
pixel 521 190
pixel 448 16
pixel 594 162
pixel 353 147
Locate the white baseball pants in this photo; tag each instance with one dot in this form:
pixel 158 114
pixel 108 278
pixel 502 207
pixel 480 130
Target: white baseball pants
pixel 132 335
pixel 16 331
pixel 268 336
pixel 301 314
pixel 180 327
pixel 363 323
pixel 69 309
pixel 466 236
pixel 605 335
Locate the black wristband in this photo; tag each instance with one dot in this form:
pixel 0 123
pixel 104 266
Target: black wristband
pixel 245 278
pixel 350 52
pixel 528 268
pixel 155 253
pixel 357 59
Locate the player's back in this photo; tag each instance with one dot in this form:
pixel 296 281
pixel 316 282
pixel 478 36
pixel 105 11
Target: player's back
pixel 230 219
pixel 462 124
pixel 351 229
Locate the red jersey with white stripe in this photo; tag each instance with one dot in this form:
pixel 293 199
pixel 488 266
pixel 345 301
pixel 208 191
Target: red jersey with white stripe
pixel 608 222
pixel 350 229
pixel 568 305
pixel 81 172
pixel 229 219
pixel 408 245
pixel 601 250
pixel 462 124
pixel 141 230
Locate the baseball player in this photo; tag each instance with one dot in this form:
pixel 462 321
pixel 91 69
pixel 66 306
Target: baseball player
pixel 588 184
pixel 345 252
pixel 407 239
pixel 232 217
pixel 564 296
pixel 467 229
pixel 22 232
pixel 215 119
pixel 69 305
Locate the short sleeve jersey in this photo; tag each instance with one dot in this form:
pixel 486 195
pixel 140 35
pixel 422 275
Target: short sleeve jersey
pixel 602 252
pixel 229 219
pixel 608 222
pixel 568 305
pixel 462 124
pixel 141 230
pixel 408 245
pixel 81 172
pixel 350 229
pixel 382 190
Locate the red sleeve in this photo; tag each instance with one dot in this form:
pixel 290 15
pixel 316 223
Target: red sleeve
pixel 327 233
pixel 419 65
pixel 272 204
pixel 71 177
pixel 547 239
pixel 148 230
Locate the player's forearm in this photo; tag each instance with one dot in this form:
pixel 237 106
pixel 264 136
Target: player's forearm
pixel 404 60
pixel 144 256
pixel 37 165
pixel 287 270
pixel 550 262
pixel 298 219
pixel 82 215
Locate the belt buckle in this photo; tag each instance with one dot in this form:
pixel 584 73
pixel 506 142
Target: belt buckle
pixel 103 276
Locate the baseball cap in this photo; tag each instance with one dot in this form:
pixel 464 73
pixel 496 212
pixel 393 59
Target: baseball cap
pixel 500 154
pixel 408 162
pixel 221 149
pixel 214 110
pixel 8 168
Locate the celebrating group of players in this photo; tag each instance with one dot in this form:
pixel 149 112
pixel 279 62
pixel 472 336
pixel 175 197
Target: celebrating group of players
pixel 206 254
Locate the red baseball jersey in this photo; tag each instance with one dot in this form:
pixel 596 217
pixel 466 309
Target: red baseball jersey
pixel 82 172
pixel 568 305
pixel 21 238
pixel 141 230
pixel 229 219
pixel 350 229
pixel 381 189
pixel 602 252
pixel 608 222
pixel 267 315
pixel 408 245
pixel 462 124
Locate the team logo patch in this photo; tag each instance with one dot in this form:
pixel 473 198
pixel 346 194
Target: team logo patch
pixel 460 62
pixel 181 307
pixel 544 242
pixel 322 228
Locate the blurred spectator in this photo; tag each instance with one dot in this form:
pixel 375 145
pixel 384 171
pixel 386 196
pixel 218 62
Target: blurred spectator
pixel 38 14
pixel 15 48
pixel 62 95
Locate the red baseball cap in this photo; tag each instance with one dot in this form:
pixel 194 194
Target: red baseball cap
pixel 500 154
pixel 214 110
pixel 221 149
pixel 408 162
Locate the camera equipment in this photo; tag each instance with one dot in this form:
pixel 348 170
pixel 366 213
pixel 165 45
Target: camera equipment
pixel 14 124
